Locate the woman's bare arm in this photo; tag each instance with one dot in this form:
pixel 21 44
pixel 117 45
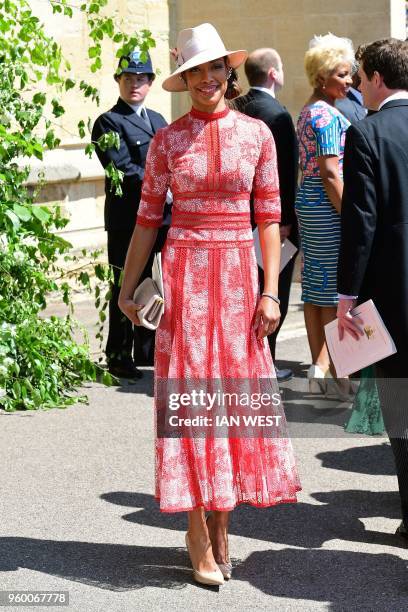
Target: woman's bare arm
pixel 140 247
pixel 330 175
pixel 268 310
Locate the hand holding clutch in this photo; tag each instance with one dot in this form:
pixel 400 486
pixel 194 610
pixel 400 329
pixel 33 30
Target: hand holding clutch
pixel 148 294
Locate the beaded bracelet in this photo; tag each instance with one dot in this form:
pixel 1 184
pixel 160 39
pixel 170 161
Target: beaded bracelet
pixel 273 297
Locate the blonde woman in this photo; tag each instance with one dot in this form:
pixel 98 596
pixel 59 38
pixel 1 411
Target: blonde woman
pixel 321 132
pixel 215 324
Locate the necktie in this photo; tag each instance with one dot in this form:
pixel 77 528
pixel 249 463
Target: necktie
pixel 145 118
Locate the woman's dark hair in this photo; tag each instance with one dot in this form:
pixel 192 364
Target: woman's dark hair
pixel 234 88
pixel 388 57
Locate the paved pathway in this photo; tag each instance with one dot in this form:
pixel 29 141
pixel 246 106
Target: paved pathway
pixel 77 512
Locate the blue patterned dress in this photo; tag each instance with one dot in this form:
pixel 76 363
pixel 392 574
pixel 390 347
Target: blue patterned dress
pixel 321 131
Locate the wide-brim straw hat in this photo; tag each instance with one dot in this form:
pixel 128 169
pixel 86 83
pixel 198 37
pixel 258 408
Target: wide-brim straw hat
pixel 197 46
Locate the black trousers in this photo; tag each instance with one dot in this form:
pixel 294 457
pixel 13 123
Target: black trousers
pixel 285 281
pixel 393 393
pixel 125 344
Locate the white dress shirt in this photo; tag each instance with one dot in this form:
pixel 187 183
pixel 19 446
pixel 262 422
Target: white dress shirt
pixel 399 95
pixel 137 108
pixel 265 90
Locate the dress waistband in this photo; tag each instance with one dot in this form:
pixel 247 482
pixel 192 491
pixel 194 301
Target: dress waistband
pixel 210 244
pixel 211 195
pixel 222 220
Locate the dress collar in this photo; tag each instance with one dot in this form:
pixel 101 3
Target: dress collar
pixel 209 116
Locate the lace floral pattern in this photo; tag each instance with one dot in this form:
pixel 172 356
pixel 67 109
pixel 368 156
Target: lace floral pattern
pixel 212 163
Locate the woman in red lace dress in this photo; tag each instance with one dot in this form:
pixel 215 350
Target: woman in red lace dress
pixel 214 325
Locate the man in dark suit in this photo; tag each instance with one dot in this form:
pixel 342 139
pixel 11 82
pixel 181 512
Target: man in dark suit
pixel 352 105
pixel 264 72
pixel 373 260
pixel 136 126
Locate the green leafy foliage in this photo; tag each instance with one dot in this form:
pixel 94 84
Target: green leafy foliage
pixel 42 364
pixel 116 178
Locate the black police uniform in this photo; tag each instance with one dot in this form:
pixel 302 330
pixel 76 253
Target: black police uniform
pixel 120 218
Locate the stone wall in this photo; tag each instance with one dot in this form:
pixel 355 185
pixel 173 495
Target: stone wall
pixel 77 182
pixel 133 15
pixel 288 26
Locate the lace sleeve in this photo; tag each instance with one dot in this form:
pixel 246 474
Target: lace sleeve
pixel 266 182
pixel 155 184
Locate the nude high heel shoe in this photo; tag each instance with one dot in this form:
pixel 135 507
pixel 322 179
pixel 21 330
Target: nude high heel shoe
pixel 225 568
pixel 214 578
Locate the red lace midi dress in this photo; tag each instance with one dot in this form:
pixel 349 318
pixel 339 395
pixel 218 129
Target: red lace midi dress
pixel 212 163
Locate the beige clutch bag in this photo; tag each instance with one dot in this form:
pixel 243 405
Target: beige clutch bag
pixel 150 293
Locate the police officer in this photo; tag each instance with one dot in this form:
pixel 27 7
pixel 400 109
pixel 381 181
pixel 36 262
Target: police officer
pixel 136 126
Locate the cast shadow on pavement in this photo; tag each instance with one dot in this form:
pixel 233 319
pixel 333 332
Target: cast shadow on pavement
pixel 141 386
pixel 347 580
pixel 376 460
pixel 336 516
pixel 115 567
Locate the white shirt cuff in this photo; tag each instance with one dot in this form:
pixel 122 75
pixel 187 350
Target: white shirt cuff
pixel 341 296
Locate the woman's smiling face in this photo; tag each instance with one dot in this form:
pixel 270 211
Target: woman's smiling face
pixel 207 84
pixel 339 81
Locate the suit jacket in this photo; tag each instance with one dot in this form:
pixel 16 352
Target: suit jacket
pixel 261 105
pixel 135 137
pixel 351 109
pixel 373 259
